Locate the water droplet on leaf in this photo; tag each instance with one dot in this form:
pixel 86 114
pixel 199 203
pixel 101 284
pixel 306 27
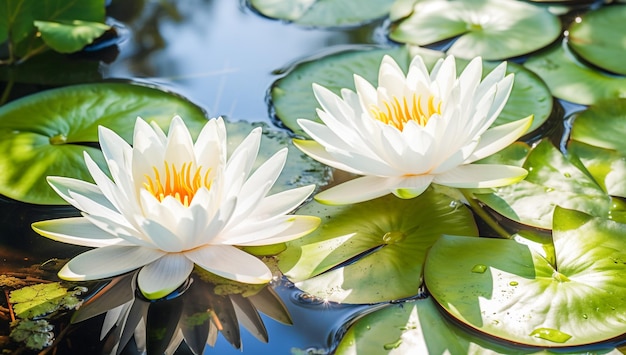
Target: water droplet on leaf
pixel 479 268
pixel 550 334
pixel 394 345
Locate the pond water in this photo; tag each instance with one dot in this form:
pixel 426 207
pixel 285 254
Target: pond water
pixel 223 57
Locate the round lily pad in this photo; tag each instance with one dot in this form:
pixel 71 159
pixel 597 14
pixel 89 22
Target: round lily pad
pixel 385 239
pixel 602 125
pixel 323 13
pixel 600 38
pixel 507 290
pixel 493 29
pixel 571 80
pixel 46 134
pixel 292 95
pixel 553 180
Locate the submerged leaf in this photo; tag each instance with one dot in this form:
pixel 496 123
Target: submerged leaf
pixel 35 334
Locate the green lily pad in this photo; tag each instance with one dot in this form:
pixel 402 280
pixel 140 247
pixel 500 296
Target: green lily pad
pixel 608 167
pixel 553 180
pixel 492 29
pixel 522 297
pixel 387 236
pixel 70 36
pixel 418 327
pixel 602 125
pixel 42 299
pixel 600 38
pixel 323 13
pixel 35 334
pixel 292 96
pixel 17 18
pixel 571 80
pixel 46 133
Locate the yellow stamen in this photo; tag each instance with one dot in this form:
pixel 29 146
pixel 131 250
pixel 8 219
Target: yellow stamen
pixel 397 113
pixel 181 184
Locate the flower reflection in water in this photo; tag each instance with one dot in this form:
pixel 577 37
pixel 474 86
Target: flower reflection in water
pixel 195 313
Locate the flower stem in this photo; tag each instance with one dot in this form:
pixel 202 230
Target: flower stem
pixel 7 91
pixel 486 217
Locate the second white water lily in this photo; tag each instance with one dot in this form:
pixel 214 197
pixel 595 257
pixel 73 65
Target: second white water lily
pixel 173 204
pixel 414 130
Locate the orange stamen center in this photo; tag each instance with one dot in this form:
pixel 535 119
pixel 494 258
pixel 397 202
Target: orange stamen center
pixel 397 113
pixel 182 184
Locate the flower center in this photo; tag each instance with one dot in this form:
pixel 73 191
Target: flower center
pixel 397 113
pixel 182 184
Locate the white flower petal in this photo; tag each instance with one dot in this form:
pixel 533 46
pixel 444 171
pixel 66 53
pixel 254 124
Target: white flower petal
pixel 210 148
pixel 63 186
pixel 481 175
pixel 264 178
pixel 77 231
pixel 179 146
pixel 231 263
pixel 107 261
pixel 412 186
pixel 356 190
pixel 148 151
pixel 319 153
pixel 281 203
pixel 118 230
pixel 298 227
pixel 498 138
pixel 164 275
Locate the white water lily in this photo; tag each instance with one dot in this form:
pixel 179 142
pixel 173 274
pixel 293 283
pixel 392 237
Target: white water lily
pixel 414 130
pixel 173 204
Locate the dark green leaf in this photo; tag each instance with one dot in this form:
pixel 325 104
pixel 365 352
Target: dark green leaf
pixel 71 36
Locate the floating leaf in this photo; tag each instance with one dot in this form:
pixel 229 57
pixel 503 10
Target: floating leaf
pixel 35 334
pixel 524 298
pixel 388 237
pixel 70 36
pixel 570 80
pixel 602 125
pixel 292 96
pixel 41 299
pixel 600 38
pixel 415 327
pixel 46 133
pixel 323 13
pixel 493 29
pixel 552 180
pixel 18 19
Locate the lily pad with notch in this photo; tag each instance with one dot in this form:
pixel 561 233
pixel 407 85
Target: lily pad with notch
pixel 522 297
pixel 372 251
pixel 553 180
pixel 492 29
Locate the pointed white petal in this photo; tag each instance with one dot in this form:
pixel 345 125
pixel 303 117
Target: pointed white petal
pixel 163 238
pixel 264 175
pixel 63 186
pixel 498 138
pixel 231 263
pixel 107 262
pixel 282 202
pixel 246 151
pixel 179 148
pixel 357 190
pixel 336 109
pixel 78 231
pixel 319 153
pixel 122 231
pixel 481 175
pixel 164 275
pixel 298 227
